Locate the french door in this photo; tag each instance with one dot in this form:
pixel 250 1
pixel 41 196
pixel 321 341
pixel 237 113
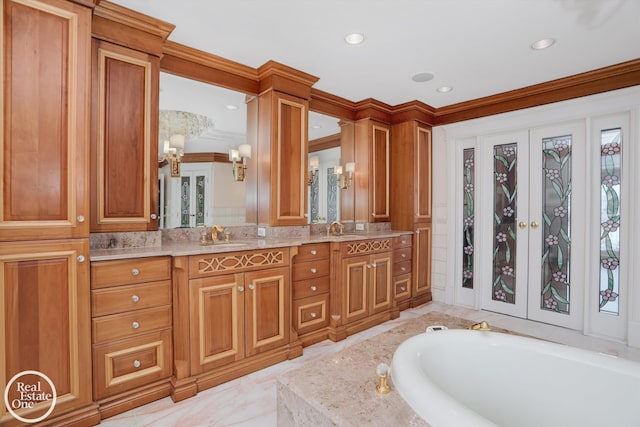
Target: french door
pixel 531 217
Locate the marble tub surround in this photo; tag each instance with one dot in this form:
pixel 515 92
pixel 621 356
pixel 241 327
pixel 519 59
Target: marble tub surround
pixel 130 239
pixel 340 390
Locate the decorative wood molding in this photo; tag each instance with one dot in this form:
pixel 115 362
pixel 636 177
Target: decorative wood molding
pixel 332 105
pixel 373 109
pixel 329 141
pixel 605 79
pixel 117 24
pixel 276 76
pixel 414 111
pixel 240 261
pixel 368 246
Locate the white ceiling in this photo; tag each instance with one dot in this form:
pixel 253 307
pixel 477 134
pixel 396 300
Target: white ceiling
pixel 479 47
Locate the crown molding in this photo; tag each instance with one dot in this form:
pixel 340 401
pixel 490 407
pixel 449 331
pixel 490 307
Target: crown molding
pixel 331 105
pixel 329 141
pixel 280 77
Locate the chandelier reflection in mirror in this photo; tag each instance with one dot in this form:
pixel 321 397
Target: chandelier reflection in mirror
pixel 177 128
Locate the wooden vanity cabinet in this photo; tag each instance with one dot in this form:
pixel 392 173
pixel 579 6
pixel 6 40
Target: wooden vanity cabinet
pixel 232 316
pixel 132 332
pixel 311 282
pixel 363 286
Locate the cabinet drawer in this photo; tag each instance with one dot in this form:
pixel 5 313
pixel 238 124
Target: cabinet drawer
pixel 312 252
pixel 311 313
pixel 402 241
pixel 130 363
pixel 311 269
pixel 402 287
pixel 129 324
pixel 309 287
pixel 403 267
pixel 131 297
pixel 129 271
pixel 403 254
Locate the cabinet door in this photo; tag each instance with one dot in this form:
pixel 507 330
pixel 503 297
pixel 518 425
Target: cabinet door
pixel 45 74
pixel 355 273
pixel 380 282
pixel 422 197
pixel 267 309
pixel 45 319
pixel 124 133
pixel 216 321
pixel 379 177
pixel 422 260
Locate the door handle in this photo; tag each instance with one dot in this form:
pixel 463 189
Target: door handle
pixel 534 224
pixel 522 224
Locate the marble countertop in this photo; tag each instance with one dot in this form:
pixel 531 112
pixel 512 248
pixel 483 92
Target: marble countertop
pixel 183 248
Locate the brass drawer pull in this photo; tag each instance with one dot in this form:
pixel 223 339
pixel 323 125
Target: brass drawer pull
pixel 135 325
pixel 136 364
pixel 135 272
pixel 135 298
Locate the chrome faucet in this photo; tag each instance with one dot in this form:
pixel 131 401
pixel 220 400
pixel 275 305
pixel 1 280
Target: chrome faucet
pixel 336 227
pixel 215 229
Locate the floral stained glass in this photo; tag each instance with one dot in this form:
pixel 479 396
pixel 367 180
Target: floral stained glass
pixel 185 200
pixel 332 196
pixel 556 226
pixel 314 193
pixel 505 191
pixel 200 199
pixel 610 178
pixel 468 217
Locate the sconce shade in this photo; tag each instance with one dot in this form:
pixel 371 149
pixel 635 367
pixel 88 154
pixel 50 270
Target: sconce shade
pixel 337 170
pixel 177 141
pixel 314 163
pixel 234 155
pixel 245 150
pixel 350 167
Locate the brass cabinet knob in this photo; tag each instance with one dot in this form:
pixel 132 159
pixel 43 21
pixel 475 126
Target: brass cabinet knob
pixel 534 224
pixel 314 288
pixel 314 315
pixel 313 270
pixel 522 224
pixel 402 288
pixel 314 252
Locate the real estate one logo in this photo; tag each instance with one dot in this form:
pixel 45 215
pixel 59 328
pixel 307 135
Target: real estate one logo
pixel 29 392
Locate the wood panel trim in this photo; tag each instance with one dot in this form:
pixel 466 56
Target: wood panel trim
pixel 428 186
pixel 103 54
pixel 281 310
pixel 239 261
pixel 375 191
pixel 332 105
pixel 303 160
pixel 159 351
pixel 122 15
pixel 280 77
pixel 604 79
pixel 368 246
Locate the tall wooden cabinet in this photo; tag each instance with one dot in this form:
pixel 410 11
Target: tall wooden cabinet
pixel 126 52
pixel 44 211
pixel 411 177
pixel 124 139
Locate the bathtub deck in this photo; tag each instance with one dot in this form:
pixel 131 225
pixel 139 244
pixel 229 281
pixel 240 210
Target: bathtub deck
pixel 340 390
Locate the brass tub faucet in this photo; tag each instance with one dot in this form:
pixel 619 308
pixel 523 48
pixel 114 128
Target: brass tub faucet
pixel 480 326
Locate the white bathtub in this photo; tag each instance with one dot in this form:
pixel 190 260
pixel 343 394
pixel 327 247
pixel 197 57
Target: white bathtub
pixel 467 378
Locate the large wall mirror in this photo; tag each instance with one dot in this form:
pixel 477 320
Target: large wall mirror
pixel 325 136
pixel 199 123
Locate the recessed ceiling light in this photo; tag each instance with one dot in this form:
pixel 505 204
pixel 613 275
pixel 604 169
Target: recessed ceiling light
pixel 231 107
pixel 354 38
pixel 444 89
pixel 422 77
pixel 542 44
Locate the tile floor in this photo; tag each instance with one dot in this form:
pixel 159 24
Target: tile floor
pixel 251 400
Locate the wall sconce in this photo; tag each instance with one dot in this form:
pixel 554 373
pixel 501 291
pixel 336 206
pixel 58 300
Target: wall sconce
pixel 239 158
pixel 344 180
pixel 173 151
pixel 314 164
